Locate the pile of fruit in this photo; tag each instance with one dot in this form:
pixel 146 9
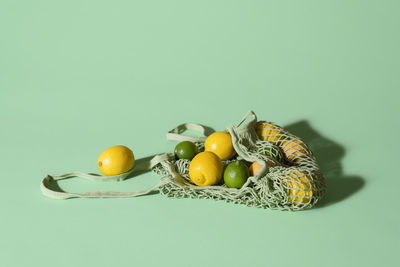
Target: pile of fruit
pixel 206 167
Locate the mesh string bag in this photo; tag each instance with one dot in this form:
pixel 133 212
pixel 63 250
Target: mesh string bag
pixel 289 178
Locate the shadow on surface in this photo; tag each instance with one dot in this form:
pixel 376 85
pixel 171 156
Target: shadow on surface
pixel 142 163
pixel 329 155
pixel 53 185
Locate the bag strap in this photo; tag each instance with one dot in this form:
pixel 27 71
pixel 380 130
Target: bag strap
pixel 141 166
pixel 245 117
pixel 176 133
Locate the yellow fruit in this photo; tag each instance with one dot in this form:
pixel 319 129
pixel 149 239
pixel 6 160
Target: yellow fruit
pixel 255 168
pixel 294 149
pixel 269 132
pixel 205 169
pixel 116 160
pixel 301 187
pixel 221 144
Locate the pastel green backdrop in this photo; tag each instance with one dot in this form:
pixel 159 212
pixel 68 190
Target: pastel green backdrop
pixel 79 76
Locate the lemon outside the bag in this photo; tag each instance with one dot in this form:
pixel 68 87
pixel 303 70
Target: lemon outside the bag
pixel 300 187
pixel 116 160
pixel 221 144
pixel 205 169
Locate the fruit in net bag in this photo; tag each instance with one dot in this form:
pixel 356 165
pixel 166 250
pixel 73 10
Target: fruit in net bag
pixel 186 150
pixel 236 174
pixel 205 169
pixel 220 143
pixel 300 187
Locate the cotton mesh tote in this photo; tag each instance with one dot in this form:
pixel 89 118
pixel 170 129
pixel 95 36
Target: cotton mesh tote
pixel 289 179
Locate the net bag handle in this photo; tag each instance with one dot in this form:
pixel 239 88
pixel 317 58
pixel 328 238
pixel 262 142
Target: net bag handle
pixel 249 114
pixel 176 133
pixel 141 166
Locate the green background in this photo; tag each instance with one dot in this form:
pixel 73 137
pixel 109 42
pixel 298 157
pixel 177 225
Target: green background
pixel 77 77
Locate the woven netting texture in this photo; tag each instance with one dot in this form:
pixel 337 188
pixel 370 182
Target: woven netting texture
pixel 292 180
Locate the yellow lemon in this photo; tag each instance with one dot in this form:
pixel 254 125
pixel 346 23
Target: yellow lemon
pixel 301 188
pixel 205 169
pixel 269 132
pixel 116 160
pixel 255 168
pixel 294 149
pixel 221 144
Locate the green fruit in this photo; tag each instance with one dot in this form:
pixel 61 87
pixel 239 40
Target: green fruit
pixel 186 150
pixel 236 174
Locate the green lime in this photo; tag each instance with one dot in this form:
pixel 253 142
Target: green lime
pixel 186 150
pixel 236 174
